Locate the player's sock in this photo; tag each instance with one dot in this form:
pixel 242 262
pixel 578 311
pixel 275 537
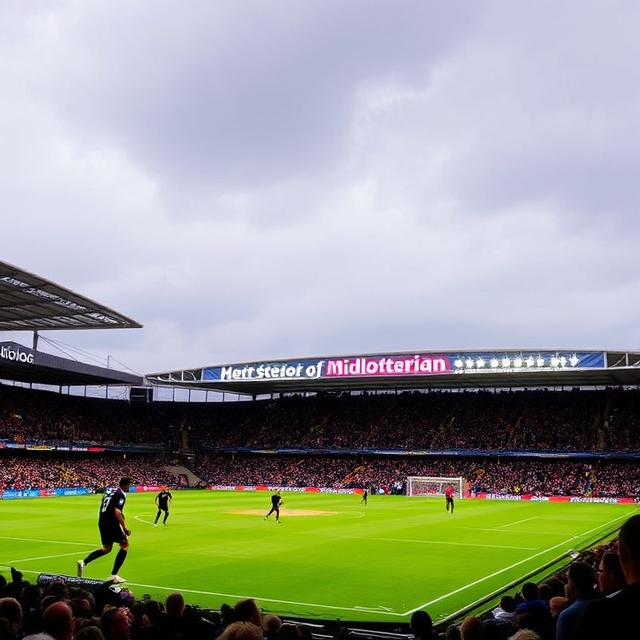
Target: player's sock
pixel 98 553
pixel 118 562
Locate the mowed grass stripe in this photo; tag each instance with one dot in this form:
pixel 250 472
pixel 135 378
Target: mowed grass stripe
pixel 374 563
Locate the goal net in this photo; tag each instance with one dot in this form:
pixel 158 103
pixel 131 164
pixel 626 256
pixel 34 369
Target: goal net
pixel 433 486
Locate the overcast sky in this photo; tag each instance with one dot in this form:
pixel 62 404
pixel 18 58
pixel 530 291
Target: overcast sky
pixel 266 179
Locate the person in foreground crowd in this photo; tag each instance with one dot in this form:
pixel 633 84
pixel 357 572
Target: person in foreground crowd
pixel 421 625
pixel 580 590
pixel 617 616
pixel 610 576
pixel 112 530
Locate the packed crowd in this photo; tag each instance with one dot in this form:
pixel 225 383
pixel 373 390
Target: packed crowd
pixel 604 478
pixel 505 475
pixel 61 610
pixel 538 420
pixel 28 471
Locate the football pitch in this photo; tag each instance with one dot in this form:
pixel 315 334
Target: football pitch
pixel 331 558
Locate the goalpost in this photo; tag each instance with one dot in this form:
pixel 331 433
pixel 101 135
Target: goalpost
pixel 433 486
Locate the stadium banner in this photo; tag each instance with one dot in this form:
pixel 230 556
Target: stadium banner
pixel 324 369
pixel 404 365
pixel 504 361
pixel 72 491
pixel 264 487
pixel 16 493
pixel 16 353
pixel 532 498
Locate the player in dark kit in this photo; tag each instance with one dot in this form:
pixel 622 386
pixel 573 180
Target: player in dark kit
pixel 163 500
pixel 365 496
pixel 112 530
pixel 448 495
pixel 276 503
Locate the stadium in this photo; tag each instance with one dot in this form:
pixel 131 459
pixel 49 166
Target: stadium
pixel 539 445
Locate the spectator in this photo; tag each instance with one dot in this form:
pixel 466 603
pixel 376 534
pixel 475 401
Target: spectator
pixel 471 629
pixel 610 575
pixel 271 625
pixel 57 623
pixel 115 623
pixel 421 625
pixel 617 616
pixel 580 589
pixel 11 611
pixel 246 610
pixel 506 611
pixel 241 630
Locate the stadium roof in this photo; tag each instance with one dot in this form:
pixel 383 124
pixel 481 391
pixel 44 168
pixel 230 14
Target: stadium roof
pixel 530 368
pixel 18 363
pixel 31 303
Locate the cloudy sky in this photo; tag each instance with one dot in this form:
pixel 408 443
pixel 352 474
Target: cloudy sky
pixel 265 179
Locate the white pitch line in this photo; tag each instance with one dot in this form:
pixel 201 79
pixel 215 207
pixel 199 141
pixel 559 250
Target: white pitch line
pixel 13 563
pixel 263 599
pixel 515 564
pixel 517 532
pixel 86 544
pixel 511 524
pixel 456 544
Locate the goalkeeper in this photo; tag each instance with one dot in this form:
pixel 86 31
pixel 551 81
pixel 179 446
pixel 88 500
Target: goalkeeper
pixel 112 530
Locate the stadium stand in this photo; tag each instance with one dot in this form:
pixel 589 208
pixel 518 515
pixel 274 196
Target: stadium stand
pixel 504 438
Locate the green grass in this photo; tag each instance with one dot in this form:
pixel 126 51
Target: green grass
pixel 331 558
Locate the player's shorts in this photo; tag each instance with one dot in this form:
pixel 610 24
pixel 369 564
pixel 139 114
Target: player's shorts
pixel 111 534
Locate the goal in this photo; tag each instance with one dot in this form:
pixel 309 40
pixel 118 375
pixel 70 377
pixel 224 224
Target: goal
pixel 433 486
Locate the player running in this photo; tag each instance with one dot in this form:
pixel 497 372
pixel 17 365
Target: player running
pixel 276 503
pixel 112 530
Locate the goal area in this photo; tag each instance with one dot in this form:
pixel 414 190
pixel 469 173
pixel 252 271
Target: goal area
pixel 433 486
